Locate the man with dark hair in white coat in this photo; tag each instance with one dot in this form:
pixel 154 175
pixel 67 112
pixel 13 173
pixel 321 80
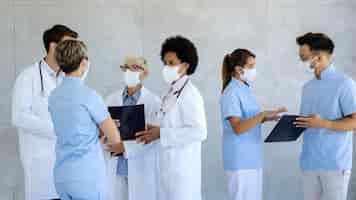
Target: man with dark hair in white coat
pixel 31 117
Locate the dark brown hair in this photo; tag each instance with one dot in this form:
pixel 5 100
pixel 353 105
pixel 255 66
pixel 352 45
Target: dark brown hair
pixel 308 38
pixel 236 58
pixel 56 34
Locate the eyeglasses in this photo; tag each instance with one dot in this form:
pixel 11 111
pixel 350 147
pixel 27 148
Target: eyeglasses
pixel 131 68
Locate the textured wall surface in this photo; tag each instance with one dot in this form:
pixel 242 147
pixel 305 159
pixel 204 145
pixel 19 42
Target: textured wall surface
pixel 115 28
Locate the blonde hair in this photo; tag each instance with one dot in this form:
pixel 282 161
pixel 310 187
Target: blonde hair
pixel 132 60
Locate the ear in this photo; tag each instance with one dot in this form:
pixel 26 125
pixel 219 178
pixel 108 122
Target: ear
pixel 144 74
pixel 83 65
pixel 239 70
pixel 184 68
pixel 52 46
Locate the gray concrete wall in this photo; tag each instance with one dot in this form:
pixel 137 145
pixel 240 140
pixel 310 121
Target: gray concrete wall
pixel 115 28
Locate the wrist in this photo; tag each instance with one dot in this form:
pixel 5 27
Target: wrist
pixel 327 124
pixel 262 117
pixel 158 133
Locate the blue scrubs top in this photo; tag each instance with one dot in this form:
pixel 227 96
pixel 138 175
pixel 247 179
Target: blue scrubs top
pixel 76 111
pixel 333 97
pixel 242 151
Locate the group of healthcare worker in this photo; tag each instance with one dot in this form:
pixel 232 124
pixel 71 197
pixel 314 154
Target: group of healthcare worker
pixel 328 112
pixel 71 147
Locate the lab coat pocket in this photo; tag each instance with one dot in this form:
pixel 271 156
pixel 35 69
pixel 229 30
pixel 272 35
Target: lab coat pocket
pixel 40 107
pixel 134 149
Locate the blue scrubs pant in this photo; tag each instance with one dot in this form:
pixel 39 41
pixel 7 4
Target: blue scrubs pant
pixel 81 190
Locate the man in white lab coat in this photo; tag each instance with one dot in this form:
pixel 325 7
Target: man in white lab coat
pixel 134 175
pixel 31 117
pixel 182 124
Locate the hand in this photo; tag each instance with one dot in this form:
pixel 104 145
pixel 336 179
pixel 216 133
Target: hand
pixel 313 121
pixel 151 134
pixel 273 115
pixel 116 149
pixel 104 139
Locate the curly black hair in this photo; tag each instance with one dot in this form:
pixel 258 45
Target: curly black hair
pixel 185 50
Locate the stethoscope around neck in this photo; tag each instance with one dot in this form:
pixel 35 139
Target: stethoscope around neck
pixel 176 94
pixel 41 78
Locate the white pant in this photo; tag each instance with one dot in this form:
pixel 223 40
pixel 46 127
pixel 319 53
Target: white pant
pixel 326 185
pixel 244 184
pixel 121 188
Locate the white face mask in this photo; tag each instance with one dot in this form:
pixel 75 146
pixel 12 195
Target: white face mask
pixel 170 74
pixel 132 79
pixel 249 75
pixel 85 74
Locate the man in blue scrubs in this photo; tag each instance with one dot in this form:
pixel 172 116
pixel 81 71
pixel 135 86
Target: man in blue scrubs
pixel 329 113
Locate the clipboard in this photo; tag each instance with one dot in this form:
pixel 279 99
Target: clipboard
pixel 132 120
pixel 285 130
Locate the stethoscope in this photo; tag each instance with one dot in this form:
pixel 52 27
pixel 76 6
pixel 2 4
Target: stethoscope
pixel 41 78
pixel 176 94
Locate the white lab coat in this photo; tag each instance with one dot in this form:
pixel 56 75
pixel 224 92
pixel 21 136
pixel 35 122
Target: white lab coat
pixel 35 129
pixel 142 159
pixel 183 128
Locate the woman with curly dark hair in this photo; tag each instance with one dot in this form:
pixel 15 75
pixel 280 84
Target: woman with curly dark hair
pixel 182 124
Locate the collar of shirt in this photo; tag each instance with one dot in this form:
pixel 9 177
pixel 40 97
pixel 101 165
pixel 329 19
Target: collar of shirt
pixel 239 83
pixel 135 96
pixel 72 79
pixel 50 71
pixel 328 72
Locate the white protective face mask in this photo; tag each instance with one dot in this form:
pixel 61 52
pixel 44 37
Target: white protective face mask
pixel 170 74
pixel 249 75
pixel 132 79
pixel 85 74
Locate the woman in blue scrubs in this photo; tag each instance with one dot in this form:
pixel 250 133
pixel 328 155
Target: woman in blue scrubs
pixel 78 113
pixel 242 118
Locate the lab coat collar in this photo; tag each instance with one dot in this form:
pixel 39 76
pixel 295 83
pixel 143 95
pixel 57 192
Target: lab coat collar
pixel 179 83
